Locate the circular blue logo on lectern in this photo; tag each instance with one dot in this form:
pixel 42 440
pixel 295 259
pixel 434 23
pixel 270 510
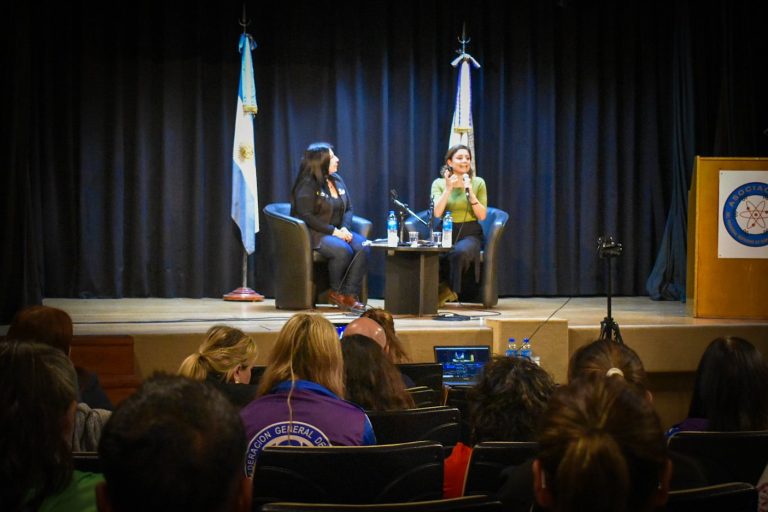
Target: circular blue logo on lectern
pixel 745 214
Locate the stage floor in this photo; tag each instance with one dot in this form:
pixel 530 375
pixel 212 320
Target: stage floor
pixel 154 315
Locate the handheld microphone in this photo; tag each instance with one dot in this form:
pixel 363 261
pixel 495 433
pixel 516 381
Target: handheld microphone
pixel 466 186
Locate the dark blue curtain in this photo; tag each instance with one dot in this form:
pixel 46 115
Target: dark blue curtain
pixel 118 124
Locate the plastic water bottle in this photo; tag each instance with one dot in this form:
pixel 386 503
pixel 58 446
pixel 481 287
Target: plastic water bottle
pixel 447 230
pixel 391 229
pixel 511 348
pixel 526 351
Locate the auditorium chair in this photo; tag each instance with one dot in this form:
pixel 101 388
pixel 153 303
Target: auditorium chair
pixel 489 459
pixel 424 374
pixel 456 396
pixel 487 292
pixel 725 456
pixel 424 396
pixel 349 474
pixel 300 273
pixel 87 461
pixel 439 424
pixel 730 497
pixel 467 503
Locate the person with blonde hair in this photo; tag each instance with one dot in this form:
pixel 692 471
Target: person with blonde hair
pixel 301 394
pixel 601 449
pixel 225 359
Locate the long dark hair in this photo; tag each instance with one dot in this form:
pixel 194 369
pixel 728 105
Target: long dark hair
pixel 731 386
pixel 313 167
pixel 38 385
pixel 372 381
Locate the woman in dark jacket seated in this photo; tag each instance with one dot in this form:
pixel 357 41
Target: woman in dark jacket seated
pixel 321 199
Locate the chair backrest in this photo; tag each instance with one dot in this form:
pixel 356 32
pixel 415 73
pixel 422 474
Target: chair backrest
pixel 424 374
pixel 733 497
pixel 457 397
pixel 726 456
pixel 424 396
pixel 489 459
pixel 349 474
pixel 439 424
pixel 87 461
pixel 466 503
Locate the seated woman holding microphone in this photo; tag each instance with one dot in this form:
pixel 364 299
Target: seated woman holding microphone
pixel 463 194
pixel 320 198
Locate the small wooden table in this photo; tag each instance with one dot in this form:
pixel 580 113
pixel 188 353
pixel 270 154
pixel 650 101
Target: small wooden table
pixel 411 279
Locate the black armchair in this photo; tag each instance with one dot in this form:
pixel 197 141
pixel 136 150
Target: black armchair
pixel 493 227
pixel 301 273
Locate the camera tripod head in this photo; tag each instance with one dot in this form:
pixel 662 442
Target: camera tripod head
pixel 607 247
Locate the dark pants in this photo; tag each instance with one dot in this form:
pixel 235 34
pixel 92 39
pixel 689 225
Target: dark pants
pixel 347 262
pixel 465 254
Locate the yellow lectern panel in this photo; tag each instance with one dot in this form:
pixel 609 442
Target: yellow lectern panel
pixel 720 288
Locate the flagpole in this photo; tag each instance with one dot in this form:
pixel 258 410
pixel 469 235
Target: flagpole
pixel 244 293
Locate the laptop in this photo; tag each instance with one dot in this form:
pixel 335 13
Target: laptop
pixel 462 365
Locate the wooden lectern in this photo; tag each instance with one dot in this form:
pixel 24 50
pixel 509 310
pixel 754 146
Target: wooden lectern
pixel 720 287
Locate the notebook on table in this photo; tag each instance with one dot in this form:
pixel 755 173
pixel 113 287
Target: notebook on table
pixel 462 365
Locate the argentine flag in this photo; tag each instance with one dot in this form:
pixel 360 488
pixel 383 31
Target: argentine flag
pixel 245 197
pixel 462 130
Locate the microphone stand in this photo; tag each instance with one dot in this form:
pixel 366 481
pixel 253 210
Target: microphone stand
pixel 402 209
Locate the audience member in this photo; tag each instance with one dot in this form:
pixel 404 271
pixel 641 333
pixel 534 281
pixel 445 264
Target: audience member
pixel 225 359
pixel 53 327
pixel 376 330
pixel 367 327
pixel 175 444
pixel 301 393
pixel 394 347
pixel 505 405
pixel 601 448
pixel 38 398
pixel 372 381
pixel 607 359
pixel 731 389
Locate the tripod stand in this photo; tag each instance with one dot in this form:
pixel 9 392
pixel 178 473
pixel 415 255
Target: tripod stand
pixel 608 249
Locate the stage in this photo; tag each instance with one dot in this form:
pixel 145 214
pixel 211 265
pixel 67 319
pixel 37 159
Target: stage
pixel 669 341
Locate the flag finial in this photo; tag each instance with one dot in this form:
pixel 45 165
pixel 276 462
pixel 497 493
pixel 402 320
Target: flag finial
pixel 462 51
pixel 244 21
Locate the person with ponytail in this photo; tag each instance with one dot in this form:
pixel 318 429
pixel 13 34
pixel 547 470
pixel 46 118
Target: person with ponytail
pixel 301 394
pixel 225 359
pixel 602 448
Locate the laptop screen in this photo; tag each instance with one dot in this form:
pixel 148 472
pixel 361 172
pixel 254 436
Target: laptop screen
pixel 339 328
pixel 462 364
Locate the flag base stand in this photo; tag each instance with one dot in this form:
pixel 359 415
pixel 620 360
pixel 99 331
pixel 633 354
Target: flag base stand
pixel 243 294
